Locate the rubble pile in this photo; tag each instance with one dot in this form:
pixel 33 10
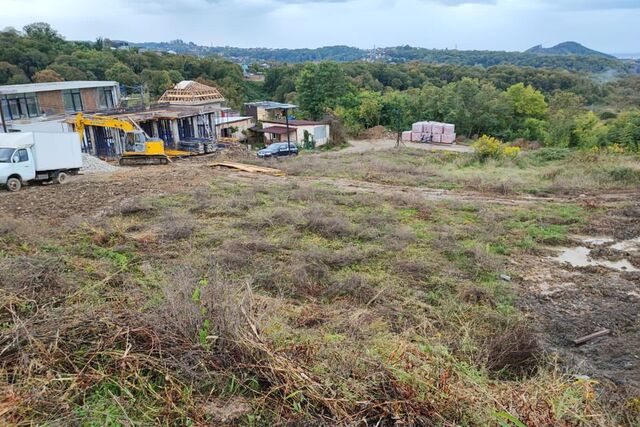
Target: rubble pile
pixel 93 164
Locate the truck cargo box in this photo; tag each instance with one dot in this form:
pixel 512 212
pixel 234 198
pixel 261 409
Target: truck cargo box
pixel 54 151
pixel 51 151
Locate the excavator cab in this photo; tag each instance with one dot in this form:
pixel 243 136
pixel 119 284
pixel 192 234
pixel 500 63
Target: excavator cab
pixel 136 142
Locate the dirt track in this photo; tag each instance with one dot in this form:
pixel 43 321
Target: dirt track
pixel 364 145
pixel 89 194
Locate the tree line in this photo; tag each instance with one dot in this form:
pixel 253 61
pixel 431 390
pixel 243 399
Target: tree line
pixel 39 53
pixel 552 107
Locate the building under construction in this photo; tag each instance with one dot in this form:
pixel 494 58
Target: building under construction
pixel 184 115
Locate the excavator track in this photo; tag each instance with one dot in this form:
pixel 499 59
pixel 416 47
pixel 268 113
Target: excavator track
pixel 143 160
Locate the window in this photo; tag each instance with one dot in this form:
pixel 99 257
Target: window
pixel 320 132
pixel 20 106
pixel 105 97
pixel 72 100
pixel 23 156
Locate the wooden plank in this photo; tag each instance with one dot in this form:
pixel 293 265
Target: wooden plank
pixel 593 336
pixel 248 168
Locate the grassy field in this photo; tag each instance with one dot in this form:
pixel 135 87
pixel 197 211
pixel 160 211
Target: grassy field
pixel 540 172
pixel 293 303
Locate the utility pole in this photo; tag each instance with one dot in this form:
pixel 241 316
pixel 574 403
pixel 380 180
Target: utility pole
pixel 286 115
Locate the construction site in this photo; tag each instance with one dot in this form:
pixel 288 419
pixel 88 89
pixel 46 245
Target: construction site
pixel 155 267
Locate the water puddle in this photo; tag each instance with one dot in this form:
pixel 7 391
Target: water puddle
pixel 632 245
pixel 580 257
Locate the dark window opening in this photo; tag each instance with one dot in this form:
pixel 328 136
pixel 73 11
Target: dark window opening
pixel 185 128
pixel 165 134
pixel 20 106
pixel 105 98
pixel 72 100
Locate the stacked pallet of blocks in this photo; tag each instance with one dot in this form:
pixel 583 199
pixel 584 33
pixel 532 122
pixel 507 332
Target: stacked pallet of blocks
pixel 441 133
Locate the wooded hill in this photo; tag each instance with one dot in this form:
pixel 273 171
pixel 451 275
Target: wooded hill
pixel 568 56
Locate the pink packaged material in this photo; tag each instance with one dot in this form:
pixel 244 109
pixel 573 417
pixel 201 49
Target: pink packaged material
pixel 406 136
pixel 417 127
pixel 415 136
pixel 437 128
pixel 436 137
pixel 426 127
pixel 448 129
pixel 448 138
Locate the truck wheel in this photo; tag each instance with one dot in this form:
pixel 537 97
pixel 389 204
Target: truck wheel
pixel 14 184
pixel 60 178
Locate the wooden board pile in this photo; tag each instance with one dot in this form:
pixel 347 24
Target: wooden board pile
pixel 441 133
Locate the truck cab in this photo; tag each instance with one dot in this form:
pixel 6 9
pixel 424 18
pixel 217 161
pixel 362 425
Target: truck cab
pixel 16 166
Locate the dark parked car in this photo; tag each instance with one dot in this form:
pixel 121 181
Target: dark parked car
pixel 279 149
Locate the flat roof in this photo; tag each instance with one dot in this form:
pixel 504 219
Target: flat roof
pixel 295 122
pixel 227 120
pixel 158 112
pixel 47 87
pixel 278 130
pixel 271 105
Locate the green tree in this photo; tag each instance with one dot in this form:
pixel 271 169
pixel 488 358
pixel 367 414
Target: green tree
pixel 175 76
pixel 157 81
pixel 564 108
pixel 588 130
pixel 319 87
pixel 70 73
pixel 11 74
pixel 625 130
pixel 122 74
pixel 525 102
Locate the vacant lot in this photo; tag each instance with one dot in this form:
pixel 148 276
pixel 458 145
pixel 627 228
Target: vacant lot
pixel 361 289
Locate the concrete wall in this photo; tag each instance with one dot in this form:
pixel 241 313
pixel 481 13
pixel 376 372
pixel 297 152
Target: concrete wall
pixel 316 132
pixel 240 125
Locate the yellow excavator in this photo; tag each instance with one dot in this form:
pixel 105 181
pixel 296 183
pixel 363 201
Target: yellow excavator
pixel 140 149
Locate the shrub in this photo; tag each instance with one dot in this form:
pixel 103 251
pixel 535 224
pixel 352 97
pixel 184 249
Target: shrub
pixel 488 147
pixel 549 154
pixel 625 174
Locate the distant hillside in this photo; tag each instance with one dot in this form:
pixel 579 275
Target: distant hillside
pixel 590 63
pixel 568 48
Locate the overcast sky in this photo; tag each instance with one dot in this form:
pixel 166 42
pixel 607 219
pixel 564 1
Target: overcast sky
pixel 608 25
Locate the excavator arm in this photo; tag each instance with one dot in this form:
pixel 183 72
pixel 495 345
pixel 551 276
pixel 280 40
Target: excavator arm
pixel 101 121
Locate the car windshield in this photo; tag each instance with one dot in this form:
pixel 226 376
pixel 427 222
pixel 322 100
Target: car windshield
pixel 273 147
pixel 5 155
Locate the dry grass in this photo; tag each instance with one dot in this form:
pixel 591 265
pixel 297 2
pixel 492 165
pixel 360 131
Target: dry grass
pixel 281 305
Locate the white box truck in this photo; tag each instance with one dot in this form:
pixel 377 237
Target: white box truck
pixel 39 157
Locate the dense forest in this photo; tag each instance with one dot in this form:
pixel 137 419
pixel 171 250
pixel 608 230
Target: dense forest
pixel 553 106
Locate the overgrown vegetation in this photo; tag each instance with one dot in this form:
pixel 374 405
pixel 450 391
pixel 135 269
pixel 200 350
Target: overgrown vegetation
pixel 288 304
pixel 545 171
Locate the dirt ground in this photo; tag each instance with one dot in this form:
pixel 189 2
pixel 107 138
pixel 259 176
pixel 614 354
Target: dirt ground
pixel 364 145
pixel 564 302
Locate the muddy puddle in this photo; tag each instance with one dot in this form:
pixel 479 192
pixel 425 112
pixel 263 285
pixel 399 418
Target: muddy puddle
pixel 583 256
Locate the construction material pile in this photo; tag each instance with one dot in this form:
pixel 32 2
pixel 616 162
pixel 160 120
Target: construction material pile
pixel 198 145
pixel 91 164
pixel 441 133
